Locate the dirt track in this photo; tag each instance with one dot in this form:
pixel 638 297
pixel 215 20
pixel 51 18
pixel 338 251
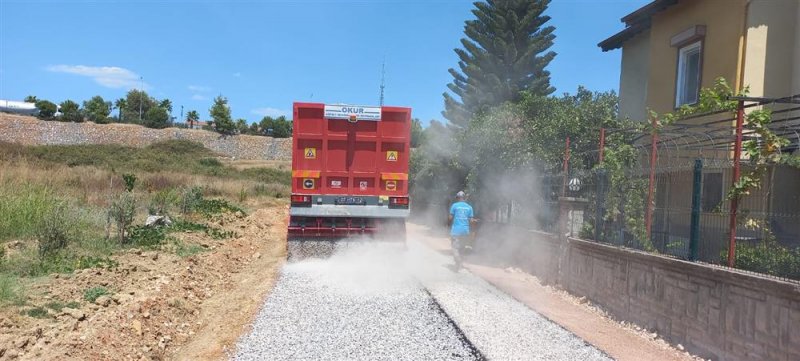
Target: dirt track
pixel 164 306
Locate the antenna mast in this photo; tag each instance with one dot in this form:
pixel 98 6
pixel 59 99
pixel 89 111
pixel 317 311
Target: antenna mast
pixel 383 78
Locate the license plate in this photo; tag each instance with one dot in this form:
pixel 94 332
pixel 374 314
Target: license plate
pixel 350 201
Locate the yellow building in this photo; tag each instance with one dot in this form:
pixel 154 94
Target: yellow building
pixel 671 49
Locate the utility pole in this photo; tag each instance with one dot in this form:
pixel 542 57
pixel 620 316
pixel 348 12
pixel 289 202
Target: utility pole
pixel 141 93
pixel 183 120
pixel 383 78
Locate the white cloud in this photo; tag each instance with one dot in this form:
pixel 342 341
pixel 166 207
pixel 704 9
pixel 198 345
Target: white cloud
pixel 107 76
pixel 270 112
pixel 199 97
pixel 199 88
pixel 237 74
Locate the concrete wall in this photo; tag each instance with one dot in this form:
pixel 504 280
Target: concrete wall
pixel 721 56
pixel 31 131
pixel 713 312
pixel 633 77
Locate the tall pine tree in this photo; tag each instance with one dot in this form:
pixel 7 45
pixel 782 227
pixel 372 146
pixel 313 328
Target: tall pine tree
pixel 503 54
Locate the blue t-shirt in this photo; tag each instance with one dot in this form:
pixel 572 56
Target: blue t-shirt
pixel 461 212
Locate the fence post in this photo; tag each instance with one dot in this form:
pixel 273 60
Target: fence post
pixel 697 194
pixel 566 170
pixel 737 154
pixel 600 204
pixel 650 191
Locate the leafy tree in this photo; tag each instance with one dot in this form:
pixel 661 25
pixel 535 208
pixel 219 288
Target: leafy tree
pixel 97 109
pixel 416 132
pixel 31 99
pixel 156 117
pixel 120 104
pixel 504 53
pixel 47 109
pixel 253 130
pixel 167 105
pixel 221 116
pixel 282 128
pixel 192 117
pixel 134 101
pixel 267 125
pixel 70 111
pixel 241 126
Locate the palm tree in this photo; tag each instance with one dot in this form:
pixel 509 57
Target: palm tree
pixel 192 116
pixel 120 104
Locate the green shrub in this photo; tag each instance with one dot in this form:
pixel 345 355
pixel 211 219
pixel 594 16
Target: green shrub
pixel 55 305
pixel 767 257
pixel 94 293
pixel 121 211
pixel 130 181
pixel 162 201
pixel 144 236
pixel 55 231
pixel 190 198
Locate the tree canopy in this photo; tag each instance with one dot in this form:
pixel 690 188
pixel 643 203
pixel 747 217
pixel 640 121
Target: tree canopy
pixel 504 53
pixel 221 116
pixel 97 109
pixel 70 111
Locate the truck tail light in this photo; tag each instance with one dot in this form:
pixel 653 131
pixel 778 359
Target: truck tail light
pixel 300 200
pixel 398 202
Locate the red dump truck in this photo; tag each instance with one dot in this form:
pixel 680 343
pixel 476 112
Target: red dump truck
pixel 349 175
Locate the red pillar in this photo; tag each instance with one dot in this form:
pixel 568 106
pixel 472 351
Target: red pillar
pixel 651 189
pixel 737 155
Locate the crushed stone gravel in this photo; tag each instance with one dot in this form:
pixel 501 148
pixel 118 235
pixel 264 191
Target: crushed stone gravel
pixel 377 303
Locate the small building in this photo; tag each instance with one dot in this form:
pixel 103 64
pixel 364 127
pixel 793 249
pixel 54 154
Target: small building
pixel 673 48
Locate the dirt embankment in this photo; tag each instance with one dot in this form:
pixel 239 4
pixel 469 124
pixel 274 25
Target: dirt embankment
pixel 162 306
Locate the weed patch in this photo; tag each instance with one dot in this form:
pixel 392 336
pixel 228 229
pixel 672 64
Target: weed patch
pixel 37 312
pixel 94 293
pixel 11 291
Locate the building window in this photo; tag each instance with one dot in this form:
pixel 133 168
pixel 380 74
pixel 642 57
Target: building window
pixel 712 191
pixel 687 89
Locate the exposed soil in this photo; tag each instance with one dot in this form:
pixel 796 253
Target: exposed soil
pixel 161 306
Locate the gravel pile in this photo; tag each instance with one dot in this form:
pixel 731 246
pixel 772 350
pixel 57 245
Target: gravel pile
pixel 347 309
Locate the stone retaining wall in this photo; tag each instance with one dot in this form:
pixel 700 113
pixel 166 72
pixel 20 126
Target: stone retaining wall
pixel 31 131
pixel 713 312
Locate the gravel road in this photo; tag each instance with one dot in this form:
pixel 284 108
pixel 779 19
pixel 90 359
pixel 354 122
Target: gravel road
pixel 375 303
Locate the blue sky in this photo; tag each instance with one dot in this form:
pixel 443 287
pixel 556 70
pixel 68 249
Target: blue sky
pixel 263 55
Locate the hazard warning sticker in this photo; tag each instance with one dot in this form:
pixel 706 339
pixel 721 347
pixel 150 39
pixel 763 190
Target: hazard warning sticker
pixel 391 185
pixel 363 185
pixel 310 153
pixel 391 155
pixel 308 183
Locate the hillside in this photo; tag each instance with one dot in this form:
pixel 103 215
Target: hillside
pixel 28 130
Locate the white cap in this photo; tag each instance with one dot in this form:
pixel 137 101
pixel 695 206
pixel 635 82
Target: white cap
pixel 460 194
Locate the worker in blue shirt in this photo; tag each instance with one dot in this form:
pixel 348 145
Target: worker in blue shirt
pixel 461 215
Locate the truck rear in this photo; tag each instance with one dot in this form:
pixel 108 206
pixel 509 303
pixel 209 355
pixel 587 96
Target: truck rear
pixel 349 176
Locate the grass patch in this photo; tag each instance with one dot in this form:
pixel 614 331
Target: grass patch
pixel 22 209
pixel 94 293
pixel 37 312
pixel 11 290
pixel 184 250
pixel 28 263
